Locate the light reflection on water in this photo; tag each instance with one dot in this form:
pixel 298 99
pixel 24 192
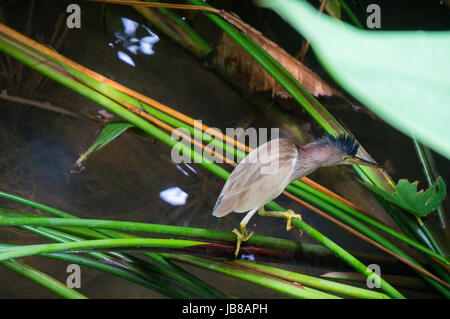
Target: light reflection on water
pixel 135 38
pixel 180 168
pixel 175 196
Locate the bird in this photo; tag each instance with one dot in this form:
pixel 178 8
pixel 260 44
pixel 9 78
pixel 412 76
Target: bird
pixel 266 171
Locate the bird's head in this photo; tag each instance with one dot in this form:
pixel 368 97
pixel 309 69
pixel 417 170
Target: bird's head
pixel 338 150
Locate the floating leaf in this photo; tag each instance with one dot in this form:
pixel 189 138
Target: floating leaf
pixel 108 134
pixel 418 203
pixel 402 76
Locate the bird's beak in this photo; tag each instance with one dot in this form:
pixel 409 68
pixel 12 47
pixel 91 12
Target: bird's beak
pixel 355 160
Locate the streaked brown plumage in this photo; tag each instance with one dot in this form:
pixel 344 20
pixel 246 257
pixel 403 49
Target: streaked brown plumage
pixel 266 171
pixel 246 180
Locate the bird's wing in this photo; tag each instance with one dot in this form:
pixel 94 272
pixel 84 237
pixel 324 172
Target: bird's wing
pixel 259 178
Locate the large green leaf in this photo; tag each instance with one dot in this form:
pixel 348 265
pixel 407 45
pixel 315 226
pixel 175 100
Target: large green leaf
pixel 418 203
pixel 403 76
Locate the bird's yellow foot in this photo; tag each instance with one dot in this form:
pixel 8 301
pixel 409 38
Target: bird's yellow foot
pixel 242 236
pixel 289 214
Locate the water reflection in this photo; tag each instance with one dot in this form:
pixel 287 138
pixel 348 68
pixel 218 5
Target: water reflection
pixel 191 168
pixel 125 58
pixel 249 257
pixel 135 38
pixel 175 196
pixel 180 168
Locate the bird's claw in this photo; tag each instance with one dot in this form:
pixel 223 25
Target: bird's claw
pixel 289 214
pixel 242 236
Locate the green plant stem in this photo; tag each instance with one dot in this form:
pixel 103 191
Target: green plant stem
pixel 170 271
pixel 314 282
pixel 361 227
pixel 433 243
pixel 350 14
pixel 88 262
pixel 182 127
pixel 190 232
pixel 104 244
pixel 430 172
pixel 60 237
pixel 401 281
pixel 313 195
pixel 42 279
pixel 308 253
pixel 370 233
pixel 121 273
pixel 238 272
pixel 358 266
pixel 394 212
pixel 110 234
pixel 390 291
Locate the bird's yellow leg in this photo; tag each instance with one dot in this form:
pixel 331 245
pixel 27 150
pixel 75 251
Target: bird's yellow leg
pixel 243 235
pixel 289 214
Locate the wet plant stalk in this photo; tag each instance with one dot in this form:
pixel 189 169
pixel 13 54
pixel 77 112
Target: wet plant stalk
pixel 88 262
pixel 312 195
pixel 314 282
pixel 133 226
pixel 431 173
pixel 310 253
pixel 158 280
pixel 103 244
pixel 340 252
pixel 351 15
pixel 268 281
pixel 42 279
pixel 110 234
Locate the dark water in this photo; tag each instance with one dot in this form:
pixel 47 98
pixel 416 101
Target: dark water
pixel 127 179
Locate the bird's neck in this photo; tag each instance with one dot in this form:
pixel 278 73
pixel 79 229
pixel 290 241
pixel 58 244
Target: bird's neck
pixel 307 161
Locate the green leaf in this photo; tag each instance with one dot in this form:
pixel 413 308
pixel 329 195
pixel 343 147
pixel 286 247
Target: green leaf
pixel 402 76
pixel 107 135
pixel 418 203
